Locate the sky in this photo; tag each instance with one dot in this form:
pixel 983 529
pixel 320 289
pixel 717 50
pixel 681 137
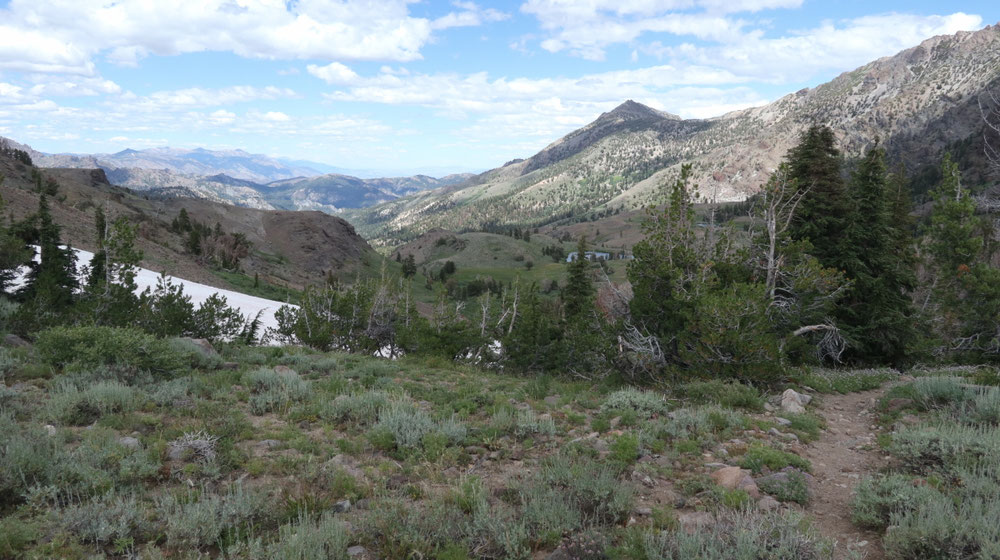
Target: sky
pixel 401 85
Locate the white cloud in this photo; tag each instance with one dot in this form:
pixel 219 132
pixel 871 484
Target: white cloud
pixel 831 46
pixel 64 35
pixel 470 15
pixel 333 73
pixel 182 99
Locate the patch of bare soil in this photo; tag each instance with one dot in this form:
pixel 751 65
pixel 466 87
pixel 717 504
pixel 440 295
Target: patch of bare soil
pixel 845 453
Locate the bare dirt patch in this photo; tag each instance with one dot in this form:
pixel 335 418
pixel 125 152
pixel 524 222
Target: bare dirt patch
pixel 845 453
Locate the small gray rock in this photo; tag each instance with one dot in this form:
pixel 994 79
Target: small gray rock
pixel 644 511
pixel 15 341
pixel 342 506
pixel 782 421
pixel 767 503
pixel 130 442
pixel 357 551
pixel 268 443
pixel 50 429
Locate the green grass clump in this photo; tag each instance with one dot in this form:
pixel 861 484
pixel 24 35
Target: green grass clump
pixel 946 447
pixel 198 521
pixel 109 346
pixel 760 456
pixel 791 486
pixel 273 391
pixel 847 381
pixel 740 534
pixel 72 406
pixel 728 394
pixel 807 426
pixel 879 498
pixel 643 403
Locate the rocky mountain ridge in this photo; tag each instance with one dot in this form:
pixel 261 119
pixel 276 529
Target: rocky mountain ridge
pixel 917 102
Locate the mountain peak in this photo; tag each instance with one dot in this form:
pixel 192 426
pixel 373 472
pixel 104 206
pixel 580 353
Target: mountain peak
pixel 630 110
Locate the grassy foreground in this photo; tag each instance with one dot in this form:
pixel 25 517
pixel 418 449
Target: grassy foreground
pixel 142 449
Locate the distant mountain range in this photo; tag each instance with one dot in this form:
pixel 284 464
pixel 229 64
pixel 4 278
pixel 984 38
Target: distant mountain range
pixel 241 178
pixel 918 103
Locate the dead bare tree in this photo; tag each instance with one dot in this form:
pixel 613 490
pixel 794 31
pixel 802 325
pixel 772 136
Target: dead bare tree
pixel 990 110
pixel 777 202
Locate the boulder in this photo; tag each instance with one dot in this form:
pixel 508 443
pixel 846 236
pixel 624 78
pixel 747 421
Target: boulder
pixel 694 521
pixel 735 478
pixel 357 551
pixel 50 429
pixel 793 402
pixel 129 441
pixel 767 503
pixel 15 341
pixel 342 506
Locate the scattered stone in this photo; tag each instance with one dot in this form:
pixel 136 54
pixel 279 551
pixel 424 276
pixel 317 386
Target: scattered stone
pixel 642 478
pixel 50 429
pixel 175 453
pixel 615 421
pixel 268 443
pixel 782 421
pixel 793 402
pixel 600 445
pixel 286 371
pixel 130 442
pixel 767 503
pixel 15 341
pixel 774 432
pixel 230 365
pixel 693 521
pixel 559 554
pixel 552 400
pixel 342 506
pixel 357 551
pixel 910 419
pixel 643 511
pixel 716 466
pixel 476 450
pixel 769 407
pixel 735 478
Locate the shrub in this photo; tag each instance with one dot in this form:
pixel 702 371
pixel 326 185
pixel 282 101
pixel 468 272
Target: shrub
pixel 984 408
pixel 361 408
pixel 740 534
pixel 306 539
pixel 201 521
pixel 106 519
pixel 119 347
pixel 927 449
pixel 760 456
pixel 935 392
pixel 788 486
pixel 72 406
pixel 729 394
pixel 405 423
pixel 624 451
pixel 591 488
pixel 16 535
pixel 965 530
pixel 644 403
pixel 273 391
pixel 877 499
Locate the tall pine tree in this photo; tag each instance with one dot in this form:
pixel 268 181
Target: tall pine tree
pixel 877 312
pixel 825 212
pixel 51 282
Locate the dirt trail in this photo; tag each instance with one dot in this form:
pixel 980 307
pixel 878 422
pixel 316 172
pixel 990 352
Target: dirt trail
pixel 844 454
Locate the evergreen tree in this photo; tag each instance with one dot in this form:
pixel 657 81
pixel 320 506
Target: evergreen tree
pixel 578 295
pixel 193 243
pixel 409 266
pixel 14 252
pixel 51 282
pixel 98 272
pixel 964 286
pixel 877 312
pixel 825 212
